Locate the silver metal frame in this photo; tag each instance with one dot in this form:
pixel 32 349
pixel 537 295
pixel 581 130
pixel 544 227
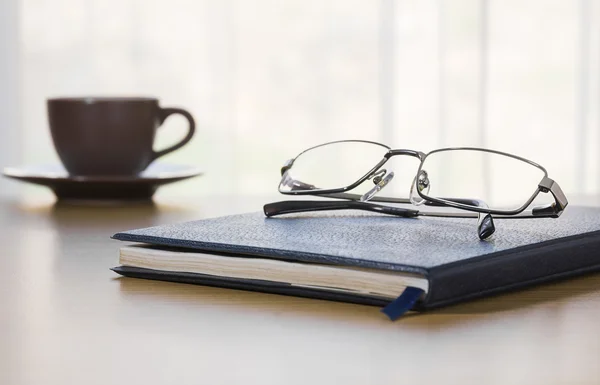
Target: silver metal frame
pixel 545 185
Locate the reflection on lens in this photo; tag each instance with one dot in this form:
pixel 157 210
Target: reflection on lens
pixel 332 166
pixel 497 181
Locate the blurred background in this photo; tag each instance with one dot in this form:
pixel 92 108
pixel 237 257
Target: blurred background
pixel 266 79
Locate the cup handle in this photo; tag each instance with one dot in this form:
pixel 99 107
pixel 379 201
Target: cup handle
pixel 164 113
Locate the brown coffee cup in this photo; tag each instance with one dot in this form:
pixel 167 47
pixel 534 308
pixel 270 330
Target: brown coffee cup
pixel 109 136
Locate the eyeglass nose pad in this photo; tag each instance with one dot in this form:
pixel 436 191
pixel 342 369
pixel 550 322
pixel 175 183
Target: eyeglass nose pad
pixel 286 180
pixel 378 186
pixel 420 184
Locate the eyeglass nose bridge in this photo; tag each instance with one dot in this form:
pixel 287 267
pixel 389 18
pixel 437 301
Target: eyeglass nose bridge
pixel 416 154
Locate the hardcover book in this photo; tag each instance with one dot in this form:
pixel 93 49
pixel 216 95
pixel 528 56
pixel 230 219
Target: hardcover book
pixel 399 264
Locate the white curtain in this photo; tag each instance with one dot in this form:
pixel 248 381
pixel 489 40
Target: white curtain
pixel 11 133
pixel 265 79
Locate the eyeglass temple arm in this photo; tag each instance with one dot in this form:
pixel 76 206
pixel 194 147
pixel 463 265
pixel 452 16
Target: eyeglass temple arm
pixel 288 207
pixel 485 222
pixel 485 225
pixel 297 206
pixel 470 202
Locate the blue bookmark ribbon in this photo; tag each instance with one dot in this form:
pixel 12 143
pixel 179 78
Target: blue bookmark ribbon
pixel 403 303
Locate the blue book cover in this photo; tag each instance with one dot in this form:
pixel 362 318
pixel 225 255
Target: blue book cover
pixel 445 251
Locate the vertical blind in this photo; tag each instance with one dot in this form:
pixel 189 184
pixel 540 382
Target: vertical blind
pixel 265 79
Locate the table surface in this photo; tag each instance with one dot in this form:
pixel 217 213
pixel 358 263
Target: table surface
pixel 65 318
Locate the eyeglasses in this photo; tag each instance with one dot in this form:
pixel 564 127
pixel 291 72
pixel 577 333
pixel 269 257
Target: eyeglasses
pixel 472 182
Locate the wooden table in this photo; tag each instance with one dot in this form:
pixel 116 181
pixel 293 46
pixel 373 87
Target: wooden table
pixel 65 318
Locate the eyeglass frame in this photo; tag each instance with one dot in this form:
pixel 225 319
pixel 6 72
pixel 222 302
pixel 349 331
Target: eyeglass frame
pixel 545 185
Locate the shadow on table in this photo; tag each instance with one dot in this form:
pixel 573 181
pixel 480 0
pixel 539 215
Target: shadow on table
pixel 132 214
pixel 94 215
pixel 547 296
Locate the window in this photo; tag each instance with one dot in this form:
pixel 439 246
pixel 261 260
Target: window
pixel 266 79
